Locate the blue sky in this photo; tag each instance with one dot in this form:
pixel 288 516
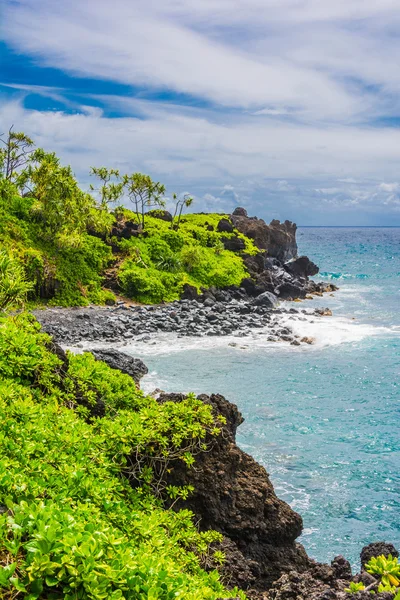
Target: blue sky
pixel 290 108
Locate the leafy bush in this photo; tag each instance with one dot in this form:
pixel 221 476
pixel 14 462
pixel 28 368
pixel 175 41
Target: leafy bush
pixel 142 284
pixel 13 285
pixel 388 568
pixel 354 588
pixel 75 527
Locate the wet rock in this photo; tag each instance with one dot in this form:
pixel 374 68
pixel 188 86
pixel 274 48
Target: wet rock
pixel 266 299
pixel 323 312
pixel 302 267
pixel 122 362
pixel 240 502
pixel 308 340
pixel 290 290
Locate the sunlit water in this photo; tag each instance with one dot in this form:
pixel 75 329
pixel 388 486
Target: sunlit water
pixel 322 419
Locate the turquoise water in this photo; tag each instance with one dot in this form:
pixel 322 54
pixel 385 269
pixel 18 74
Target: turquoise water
pixel 322 419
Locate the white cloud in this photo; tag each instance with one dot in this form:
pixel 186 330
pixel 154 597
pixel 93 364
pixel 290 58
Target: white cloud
pixel 296 91
pixel 270 168
pixel 190 48
pixel 389 187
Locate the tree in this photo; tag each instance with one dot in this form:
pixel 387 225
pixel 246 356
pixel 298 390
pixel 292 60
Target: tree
pixel 180 203
pixel 61 205
pixel 15 154
pixel 111 188
pixel 144 193
pixel 13 284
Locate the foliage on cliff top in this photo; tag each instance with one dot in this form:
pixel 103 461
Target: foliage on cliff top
pixel 82 499
pixel 64 237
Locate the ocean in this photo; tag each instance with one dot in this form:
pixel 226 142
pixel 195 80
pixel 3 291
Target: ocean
pixel 323 419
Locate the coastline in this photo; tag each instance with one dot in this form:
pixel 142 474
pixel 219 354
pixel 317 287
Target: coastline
pixel 266 563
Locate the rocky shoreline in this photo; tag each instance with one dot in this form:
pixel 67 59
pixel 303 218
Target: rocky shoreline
pixel 232 492
pixel 234 495
pixel 72 326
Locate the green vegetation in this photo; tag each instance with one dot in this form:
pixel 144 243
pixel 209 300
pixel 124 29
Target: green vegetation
pixel 64 238
pixel 84 505
pixel 354 588
pixel 388 568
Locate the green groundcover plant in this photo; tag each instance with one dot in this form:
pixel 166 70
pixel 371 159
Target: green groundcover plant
pixel 85 512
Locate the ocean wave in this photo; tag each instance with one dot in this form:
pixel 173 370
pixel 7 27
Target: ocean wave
pixel 330 275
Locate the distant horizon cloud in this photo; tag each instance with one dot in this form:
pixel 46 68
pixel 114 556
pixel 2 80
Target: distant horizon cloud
pixel 292 111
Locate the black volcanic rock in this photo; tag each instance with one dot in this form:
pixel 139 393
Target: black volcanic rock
pixel 122 362
pixel 164 215
pixel 233 495
pixel 239 212
pixel 278 239
pixel 225 226
pixel 376 549
pixel 234 244
pixel 302 267
pixel 290 290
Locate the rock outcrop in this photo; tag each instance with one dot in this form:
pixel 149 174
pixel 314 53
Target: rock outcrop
pixel 277 239
pixel 123 362
pixel 233 495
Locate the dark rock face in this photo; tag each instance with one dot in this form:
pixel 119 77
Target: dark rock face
pixel 239 212
pixel 189 292
pixel 302 267
pixel 341 568
pixel 376 549
pixel 266 299
pixel 234 495
pixel 124 230
pixel 282 245
pixel 123 362
pixel 278 239
pixel 225 226
pixel 234 244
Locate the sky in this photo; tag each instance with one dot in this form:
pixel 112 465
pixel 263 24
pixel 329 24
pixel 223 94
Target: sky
pixel 290 108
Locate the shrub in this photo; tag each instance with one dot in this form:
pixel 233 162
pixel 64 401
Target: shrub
pixel 13 285
pixel 142 284
pixel 75 527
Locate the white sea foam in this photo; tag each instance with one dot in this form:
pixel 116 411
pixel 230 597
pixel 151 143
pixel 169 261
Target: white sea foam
pixel 325 331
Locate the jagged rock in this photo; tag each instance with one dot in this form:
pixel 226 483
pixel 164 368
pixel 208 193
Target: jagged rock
pixel 234 495
pixel 225 226
pixel 278 239
pixel 254 264
pixel 302 267
pixel 266 299
pixel 341 568
pixel 376 549
pixel 122 362
pixel 323 312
